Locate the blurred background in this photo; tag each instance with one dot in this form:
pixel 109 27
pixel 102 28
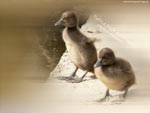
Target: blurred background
pixel 31 46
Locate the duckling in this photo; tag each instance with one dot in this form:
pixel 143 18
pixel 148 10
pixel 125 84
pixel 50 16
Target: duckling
pixel 116 73
pixel 81 49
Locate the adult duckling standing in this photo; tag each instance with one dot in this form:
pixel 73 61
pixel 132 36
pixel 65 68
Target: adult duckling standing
pixel 115 73
pixel 82 51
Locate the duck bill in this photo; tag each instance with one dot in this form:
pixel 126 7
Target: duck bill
pixel 98 63
pixel 59 22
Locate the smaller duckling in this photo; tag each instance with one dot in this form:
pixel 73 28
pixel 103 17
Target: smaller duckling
pixel 116 73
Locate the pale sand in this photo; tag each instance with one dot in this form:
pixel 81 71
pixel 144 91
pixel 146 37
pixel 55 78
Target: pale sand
pixel 81 97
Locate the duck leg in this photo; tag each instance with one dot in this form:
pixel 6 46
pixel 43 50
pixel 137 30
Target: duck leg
pixel 105 97
pixel 78 80
pixel 71 77
pixel 125 94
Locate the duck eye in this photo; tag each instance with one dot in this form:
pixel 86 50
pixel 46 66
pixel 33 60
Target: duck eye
pixel 64 19
pixel 104 57
pixel 69 16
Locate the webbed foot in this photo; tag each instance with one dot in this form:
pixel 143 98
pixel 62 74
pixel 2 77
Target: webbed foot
pixel 65 78
pixel 104 99
pixel 93 77
pixel 75 80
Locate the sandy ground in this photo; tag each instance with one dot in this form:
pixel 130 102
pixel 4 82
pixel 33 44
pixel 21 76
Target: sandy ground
pixel 127 43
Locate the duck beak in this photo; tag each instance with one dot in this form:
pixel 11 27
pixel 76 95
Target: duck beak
pixel 59 22
pixel 98 63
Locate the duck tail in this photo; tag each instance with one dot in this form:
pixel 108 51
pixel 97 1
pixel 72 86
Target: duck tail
pixel 130 83
pixel 93 40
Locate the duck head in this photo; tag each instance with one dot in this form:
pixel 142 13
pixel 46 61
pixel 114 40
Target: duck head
pixel 106 57
pixel 68 19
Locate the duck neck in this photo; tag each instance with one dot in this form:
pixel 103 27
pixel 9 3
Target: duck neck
pixel 110 64
pixel 72 28
pixel 74 34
